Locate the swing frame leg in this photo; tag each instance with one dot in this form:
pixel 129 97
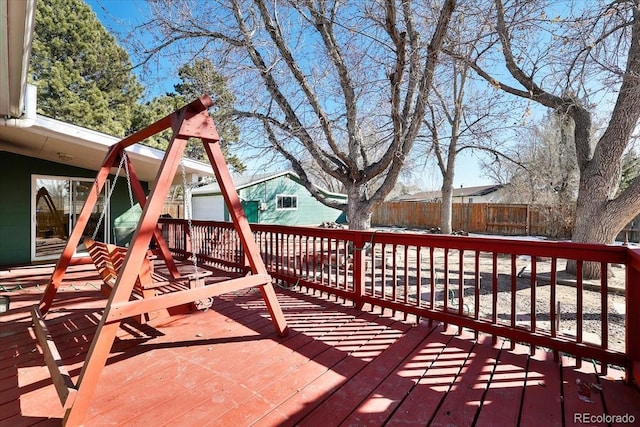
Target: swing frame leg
pixel 106 332
pixel 91 372
pixel 252 253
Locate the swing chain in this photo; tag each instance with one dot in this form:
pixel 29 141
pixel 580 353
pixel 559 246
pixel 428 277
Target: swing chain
pixel 108 200
pixel 206 303
pixel 126 171
pixel 188 215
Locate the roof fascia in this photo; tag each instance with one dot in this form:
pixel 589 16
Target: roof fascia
pixel 89 138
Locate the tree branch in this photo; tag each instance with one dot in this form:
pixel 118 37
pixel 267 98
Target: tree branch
pixel 393 160
pixel 299 169
pixel 493 151
pixel 324 27
pixel 273 88
pixel 273 28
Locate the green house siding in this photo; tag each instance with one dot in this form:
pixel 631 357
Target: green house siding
pixel 309 210
pixel 15 201
pixel 15 209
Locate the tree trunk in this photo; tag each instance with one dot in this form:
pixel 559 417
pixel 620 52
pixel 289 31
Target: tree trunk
pixel 590 226
pixel 358 218
pixel 599 216
pixel 446 208
pixel 358 213
pixel 596 221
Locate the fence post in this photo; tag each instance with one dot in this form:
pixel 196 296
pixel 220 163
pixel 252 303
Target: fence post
pixel 633 316
pixel 358 269
pixel 486 218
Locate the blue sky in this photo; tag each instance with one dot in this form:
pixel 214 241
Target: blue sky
pixel 120 15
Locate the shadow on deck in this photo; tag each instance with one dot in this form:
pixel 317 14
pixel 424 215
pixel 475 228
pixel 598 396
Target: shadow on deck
pixel 337 366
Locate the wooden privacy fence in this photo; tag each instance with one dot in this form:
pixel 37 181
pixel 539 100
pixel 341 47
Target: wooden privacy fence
pixel 486 218
pixel 174 209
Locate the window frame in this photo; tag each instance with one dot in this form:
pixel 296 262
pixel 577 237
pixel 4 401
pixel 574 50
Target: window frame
pixel 294 199
pixel 73 208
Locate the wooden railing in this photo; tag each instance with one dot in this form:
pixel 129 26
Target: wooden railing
pixel 517 289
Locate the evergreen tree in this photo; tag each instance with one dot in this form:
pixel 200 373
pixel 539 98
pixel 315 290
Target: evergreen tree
pixel 83 76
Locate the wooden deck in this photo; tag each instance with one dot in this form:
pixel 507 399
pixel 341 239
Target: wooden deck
pixel 337 366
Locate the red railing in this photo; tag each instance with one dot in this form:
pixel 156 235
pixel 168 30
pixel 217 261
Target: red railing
pixel 517 289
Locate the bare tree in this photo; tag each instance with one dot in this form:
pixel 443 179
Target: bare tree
pixel 548 172
pixel 462 116
pixel 345 82
pixel 546 175
pixel 580 60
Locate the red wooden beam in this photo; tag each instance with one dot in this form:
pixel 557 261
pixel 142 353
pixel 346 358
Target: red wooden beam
pixel 633 316
pixel 194 107
pixel 127 277
pixel 244 230
pixel 141 196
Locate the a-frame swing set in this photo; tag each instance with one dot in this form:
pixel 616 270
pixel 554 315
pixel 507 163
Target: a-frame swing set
pixel 191 121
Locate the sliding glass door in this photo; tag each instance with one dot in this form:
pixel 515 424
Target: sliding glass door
pixel 56 205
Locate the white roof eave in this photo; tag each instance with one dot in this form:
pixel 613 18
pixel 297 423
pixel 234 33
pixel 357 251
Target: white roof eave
pixel 71 137
pixel 17 18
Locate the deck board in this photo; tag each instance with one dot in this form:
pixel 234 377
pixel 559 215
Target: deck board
pixel 618 398
pixel 577 385
pixel 358 389
pixel 461 404
pixel 337 366
pixel 542 400
pixel 398 378
pixel 501 402
pixel 355 370
pixel 434 373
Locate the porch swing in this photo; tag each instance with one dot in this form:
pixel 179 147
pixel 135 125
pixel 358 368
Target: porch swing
pixel 191 121
pixel 109 258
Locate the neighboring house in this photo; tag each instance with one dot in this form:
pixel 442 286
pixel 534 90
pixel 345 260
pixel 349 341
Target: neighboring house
pixel 48 166
pixel 481 194
pixel 268 199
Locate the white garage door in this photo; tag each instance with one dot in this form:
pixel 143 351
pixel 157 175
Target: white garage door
pixel 208 207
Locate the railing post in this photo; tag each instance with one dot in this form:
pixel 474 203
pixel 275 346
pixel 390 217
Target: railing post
pixel 187 239
pixel 633 316
pixel 358 269
pixel 246 265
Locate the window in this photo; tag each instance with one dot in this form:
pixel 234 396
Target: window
pixel 56 204
pixel 286 202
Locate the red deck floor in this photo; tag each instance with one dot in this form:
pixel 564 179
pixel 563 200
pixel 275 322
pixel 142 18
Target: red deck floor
pixel 337 366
